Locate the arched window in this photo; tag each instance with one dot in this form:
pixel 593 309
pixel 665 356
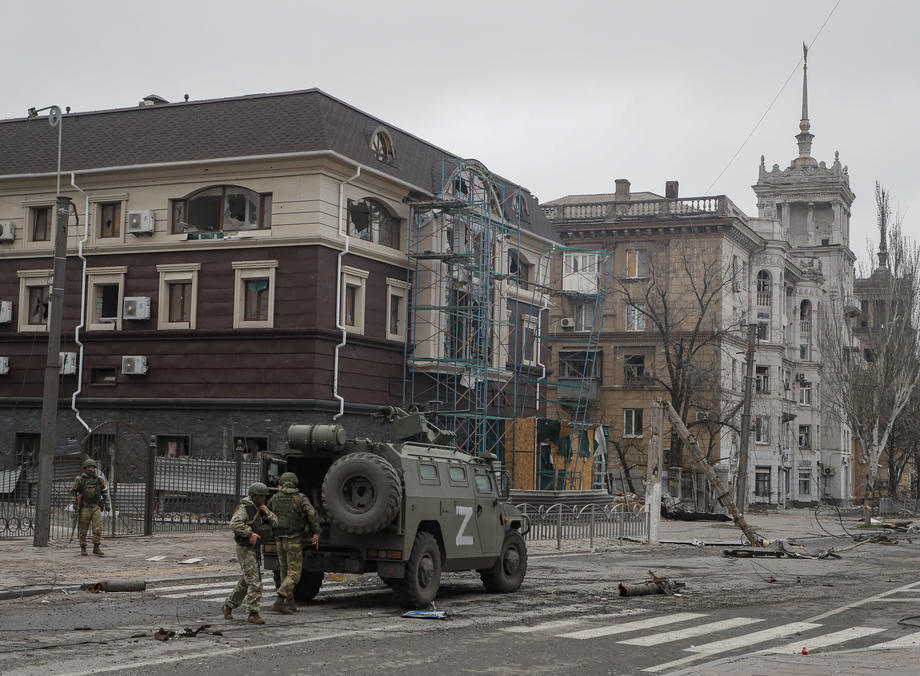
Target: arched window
pixel 370 220
pixel 382 146
pixel 221 208
pixel 805 328
pixel 764 288
pixel 472 183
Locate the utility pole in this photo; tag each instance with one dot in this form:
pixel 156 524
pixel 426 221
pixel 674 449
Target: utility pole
pixel 653 475
pixel 51 390
pixel 42 527
pixel 741 485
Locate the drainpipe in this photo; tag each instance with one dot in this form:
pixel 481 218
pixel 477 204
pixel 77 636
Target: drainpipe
pixel 73 398
pixel 338 295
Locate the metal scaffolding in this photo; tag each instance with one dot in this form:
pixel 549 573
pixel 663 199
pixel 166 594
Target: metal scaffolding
pixel 476 308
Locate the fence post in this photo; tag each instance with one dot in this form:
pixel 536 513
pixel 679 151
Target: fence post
pixel 149 498
pixel 559 529
pixel 592 526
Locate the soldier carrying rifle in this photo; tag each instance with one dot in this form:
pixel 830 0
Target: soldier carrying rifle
pixel 91 498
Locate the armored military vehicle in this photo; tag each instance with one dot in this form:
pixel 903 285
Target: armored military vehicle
pixel 407 510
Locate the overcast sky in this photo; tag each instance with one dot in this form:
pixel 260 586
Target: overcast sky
pixel 561 97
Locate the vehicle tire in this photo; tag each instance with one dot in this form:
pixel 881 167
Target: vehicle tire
pixel 508 572
pixel 420 584
pixel 308 587
pixel 362 493
pixel 276 576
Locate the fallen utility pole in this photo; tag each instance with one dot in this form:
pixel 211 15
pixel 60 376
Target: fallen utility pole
pixel 741 496
pixel 722 495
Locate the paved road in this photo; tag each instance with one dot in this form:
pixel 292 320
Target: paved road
pixel 567 618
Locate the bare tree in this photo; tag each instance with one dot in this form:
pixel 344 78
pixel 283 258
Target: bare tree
pixel 869 388
pixel 681 299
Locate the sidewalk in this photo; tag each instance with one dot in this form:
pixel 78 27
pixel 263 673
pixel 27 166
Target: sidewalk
pixel 25 568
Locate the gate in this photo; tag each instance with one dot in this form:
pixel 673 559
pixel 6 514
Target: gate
pixel 122 453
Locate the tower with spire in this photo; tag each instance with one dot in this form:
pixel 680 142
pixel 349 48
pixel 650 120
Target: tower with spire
pixel 810 200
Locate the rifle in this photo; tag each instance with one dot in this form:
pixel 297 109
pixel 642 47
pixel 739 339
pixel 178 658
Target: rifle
pixel 76 516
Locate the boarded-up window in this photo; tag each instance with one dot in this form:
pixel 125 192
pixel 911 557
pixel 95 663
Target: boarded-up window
pixel 180 297
pixel 110 219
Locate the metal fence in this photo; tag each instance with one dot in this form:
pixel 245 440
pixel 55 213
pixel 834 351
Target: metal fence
pixel 570 522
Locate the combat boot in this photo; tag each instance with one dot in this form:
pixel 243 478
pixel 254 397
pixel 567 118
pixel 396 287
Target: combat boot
pixel 83 550
pixel 228 612
pixel 292 604
pixel 97 551
pixel 255 618
pixel 281 606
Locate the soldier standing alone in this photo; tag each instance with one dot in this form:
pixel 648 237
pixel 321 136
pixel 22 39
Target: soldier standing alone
pixel 249 518
pixel 294 512
pixel 91 498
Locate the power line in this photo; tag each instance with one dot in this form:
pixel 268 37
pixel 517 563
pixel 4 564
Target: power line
pixel 769 107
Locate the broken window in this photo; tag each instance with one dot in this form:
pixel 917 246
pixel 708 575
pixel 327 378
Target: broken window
pixel 369 220
pixel 804 436
pixel 38 305
pixel 110 219
pixel 762 429
pixel 635 317
pixel 382 147
pixel 635 367
pixel 636 263
pixel 762 477
pixel 762 380
pixel 632 422
pixel 106 302
pixel 764 289
pixel 579 364
pixel 223 208
pixel 41 224
pixel 256 296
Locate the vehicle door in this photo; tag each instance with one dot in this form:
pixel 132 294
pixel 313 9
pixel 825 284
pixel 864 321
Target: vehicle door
pixel 487 513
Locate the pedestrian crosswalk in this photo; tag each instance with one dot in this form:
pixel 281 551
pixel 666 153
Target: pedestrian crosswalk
pixel 726 635
pixel 218 590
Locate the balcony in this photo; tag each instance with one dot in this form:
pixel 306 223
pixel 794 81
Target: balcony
pixel 645 210
pixel 578 389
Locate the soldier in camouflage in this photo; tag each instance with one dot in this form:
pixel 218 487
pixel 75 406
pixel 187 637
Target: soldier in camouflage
pixel 295 516
pixel 91 498
pixel 250 520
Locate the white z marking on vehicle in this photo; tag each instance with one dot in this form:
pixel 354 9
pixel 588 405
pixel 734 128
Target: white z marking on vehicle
pixel 467 514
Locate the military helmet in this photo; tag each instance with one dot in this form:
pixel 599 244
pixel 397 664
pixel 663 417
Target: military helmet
pixel 288 478
pixel 89 462
pixel 258 488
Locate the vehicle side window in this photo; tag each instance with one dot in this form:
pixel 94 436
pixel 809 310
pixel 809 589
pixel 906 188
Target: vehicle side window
pixel 457 474
pixel 428 471
pixel 483 483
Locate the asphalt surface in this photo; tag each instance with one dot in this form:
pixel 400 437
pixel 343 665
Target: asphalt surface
pixel 567 618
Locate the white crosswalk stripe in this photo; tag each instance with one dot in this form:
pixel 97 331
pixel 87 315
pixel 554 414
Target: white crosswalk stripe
pixel 625 627
pixel 690 632
pixel 902 642
pixel 545 626
pixel 750 639
pixel 825 640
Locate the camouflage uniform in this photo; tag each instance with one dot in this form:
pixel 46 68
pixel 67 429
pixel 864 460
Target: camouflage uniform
pixel 294 511
pixel 250 584
pixel 91 497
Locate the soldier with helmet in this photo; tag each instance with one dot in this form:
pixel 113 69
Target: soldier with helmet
pixel 91 498
pixel 296 516
pixel 249 522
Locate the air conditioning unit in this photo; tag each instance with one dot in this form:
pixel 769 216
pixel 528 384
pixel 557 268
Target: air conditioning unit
pixel 801 377
pixel 140 222
pixel 6 311
pixel 68 363
pixel 568 322
pixel 4 365
pixel 7 232
pixel 828 471
pixel 137 307
pixel 134 366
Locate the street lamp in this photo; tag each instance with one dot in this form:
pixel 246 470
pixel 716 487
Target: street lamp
pixel 42 528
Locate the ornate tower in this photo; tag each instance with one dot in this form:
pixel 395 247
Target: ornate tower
pixel 811 200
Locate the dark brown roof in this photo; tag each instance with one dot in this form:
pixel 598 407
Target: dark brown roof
pixel 260 124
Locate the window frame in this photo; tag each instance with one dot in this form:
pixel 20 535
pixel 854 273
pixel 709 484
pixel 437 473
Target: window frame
pixel 572 367
pixel 804 437
pixel 28 280
pixel 163 450
pixel 248 270
pixel 636 263
pixel 397 288
pixel 583 310
pixel 632 416
pixel 119 223
pixel 530 322
pixel 763 477
pixel 635 316
pixel 265 208
pixel 172 273
pixel 805 392
pixel 373 227
pixel 32 213
pixel 357 279
pixel 384 151
pixel 633 367
pixel 762 429
pixel 105 276
pixel 762 379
